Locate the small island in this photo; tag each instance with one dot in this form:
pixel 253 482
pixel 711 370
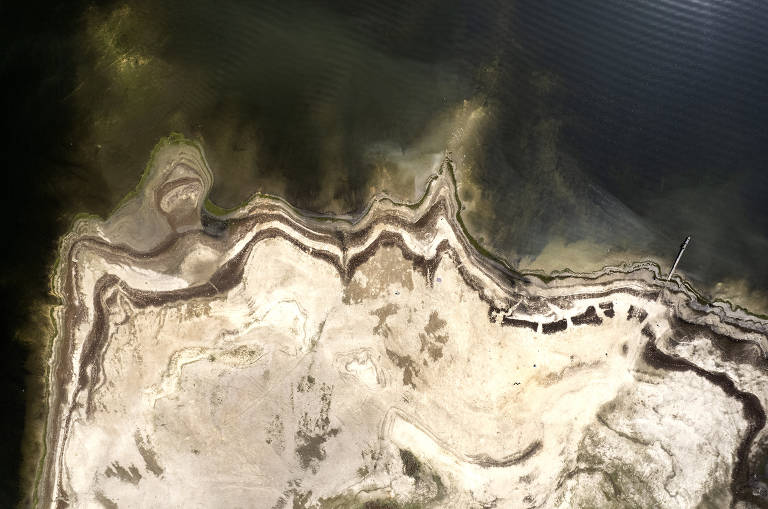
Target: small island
pixel 269 357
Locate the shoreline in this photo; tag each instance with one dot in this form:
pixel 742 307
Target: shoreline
pixel 346 243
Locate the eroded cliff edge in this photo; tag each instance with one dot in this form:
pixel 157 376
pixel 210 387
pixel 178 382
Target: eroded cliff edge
pixel 273 358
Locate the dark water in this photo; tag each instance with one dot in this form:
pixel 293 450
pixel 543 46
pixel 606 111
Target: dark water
pixel 627 125
pixel 669 104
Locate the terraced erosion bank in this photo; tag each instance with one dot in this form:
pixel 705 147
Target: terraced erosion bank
pixel 269 358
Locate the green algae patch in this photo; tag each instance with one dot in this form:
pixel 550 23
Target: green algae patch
pixel 353 502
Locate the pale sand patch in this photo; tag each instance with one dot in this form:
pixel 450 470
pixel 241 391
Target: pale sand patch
pixel 325 362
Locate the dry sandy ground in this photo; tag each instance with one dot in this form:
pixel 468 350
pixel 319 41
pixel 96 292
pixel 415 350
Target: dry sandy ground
pixel 277 360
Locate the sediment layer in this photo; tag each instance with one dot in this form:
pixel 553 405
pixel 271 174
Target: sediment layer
pixel 272 358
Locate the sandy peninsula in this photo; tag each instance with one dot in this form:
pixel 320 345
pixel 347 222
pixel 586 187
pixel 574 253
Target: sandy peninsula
pixel 272 358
